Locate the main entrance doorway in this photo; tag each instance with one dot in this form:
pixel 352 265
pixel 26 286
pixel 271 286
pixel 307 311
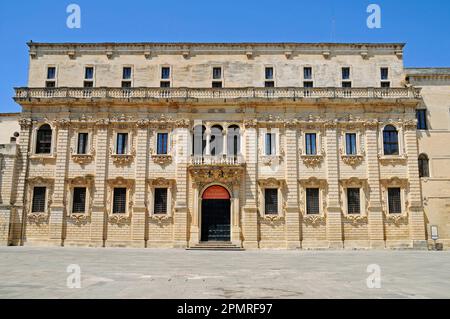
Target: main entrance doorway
pixel 216 216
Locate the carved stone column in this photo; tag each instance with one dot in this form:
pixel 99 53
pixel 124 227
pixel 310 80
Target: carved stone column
pixel 181 207
pixel 334 214
pixel 375 210
pixel 235 218
pixel 59 202
pixel 208 141
pixel 292 213
pixel 99 212
pixel 250 210
pixel 7 186
pixel 194 232
pixel 139 218
pixel 416 211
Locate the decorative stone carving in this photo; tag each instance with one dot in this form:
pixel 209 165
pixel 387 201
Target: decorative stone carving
pixel 211 173
pixel 352 160
pixel 83 159
pixel 250 123
pixel 355 219
pixel 25 123
pixel 396 219
pixel 271 182
pixel 62 123
pixel 79 219
pixel 122 159
pixel 162 182
pixel 312 160
pixel 314 220
pixel 271 159
pixel 161 218
pixel 272 219
pixel 392 160
pixel 119 219
pixel 162 159
pixel 38 218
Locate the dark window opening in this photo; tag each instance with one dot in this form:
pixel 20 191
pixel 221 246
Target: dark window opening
pixel 345 73
pixel 421 119
pixel 350 143
pixel 312 201
pixel 311 146
pixel 165 73
pixel 217 73
pixel 44 140
pixel 126 73
pixel 424 169
pixel 162 143
pixel 307 73
pixel 271 201
pixel 394 198
pixel 353 201
pixel 38 205
pixel 51 73
pixel 269 84
pixel 82 143
pixel 217 84
pixel 79 200
pixel 89 73
pixel 122 143
pixel 120 201
pixel 390 140
pixel 160 201
pixel 269 73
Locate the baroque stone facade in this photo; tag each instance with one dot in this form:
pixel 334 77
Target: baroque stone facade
pixel 137 134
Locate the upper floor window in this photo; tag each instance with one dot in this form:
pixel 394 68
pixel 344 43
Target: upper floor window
pixel 199 140
pixel 346 84
pixel 384 74
pixel 308 84
pixel 312 201
pixel 421 119
pixel 79 200
pixel 51 77
pixel 270 143
pixel 165 73
pixel 217 73
pixel 234 140
pixel 122 143
pixel 269 73
pixel 353 201
pixel 164 84
pixel 127 75
pixel 44 140
pixel 82 143
pixel 89 77
pixel 394 200
pixel 424 170
pixel 311 143
pixel 350 143
pixel 162 141
pixel 216 140
pixel 385 85
pixel 307 73
pixel 346 73
pixel 390 140
pixel 271 201
pixel 38 204
pixel 119 200
pixel 160 203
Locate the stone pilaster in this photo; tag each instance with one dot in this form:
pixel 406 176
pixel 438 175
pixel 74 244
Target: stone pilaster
pixel 58 206
pixel 99 211
pixel 333 209
pixel 374 210
pixel 181 209
pixel 292 213
pixel 139 217
pixel 250 211
pixel 7 166
pixel 416 211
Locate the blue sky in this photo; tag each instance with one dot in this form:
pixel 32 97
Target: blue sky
pixel 423 25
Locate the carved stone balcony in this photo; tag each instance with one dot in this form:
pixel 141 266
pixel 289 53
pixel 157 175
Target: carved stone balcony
pixel 28 95
pixel 221 160
pixel 226 169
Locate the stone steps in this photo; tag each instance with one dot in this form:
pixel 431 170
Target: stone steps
pixel 217 246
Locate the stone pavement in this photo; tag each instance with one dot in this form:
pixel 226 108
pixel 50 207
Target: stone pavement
pixel 29 272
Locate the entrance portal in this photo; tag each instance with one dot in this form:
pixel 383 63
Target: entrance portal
pixel 216 216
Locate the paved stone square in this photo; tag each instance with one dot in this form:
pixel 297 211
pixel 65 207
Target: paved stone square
pixel 27 272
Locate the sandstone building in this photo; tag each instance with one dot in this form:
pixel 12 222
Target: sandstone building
pixel 258 145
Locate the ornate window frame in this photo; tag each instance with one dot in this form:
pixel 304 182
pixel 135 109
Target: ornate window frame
pixel 120 182
pixel 395 182
pixel 88 183
pixel 36 127
pixel 316 159
pixel 362 184
pixel 89 156
pixel 48 183
pixel 161 158
pixel 122 159
pixel 279 152
pixel 349 159
pixel 161 183
pixel 322 185
pixel 392 159
pixel 279 185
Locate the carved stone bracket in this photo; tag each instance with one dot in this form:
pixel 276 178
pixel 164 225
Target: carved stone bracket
pixel 272 219
pixel 312 160
pixel 314 220
pixel 396 219
pixel 162 182
pixel 160 218
pixel 215 173
pixel 122 159
pixel 392 160
pixel 38 218
pixel 271 159
pixel 162 159
pixel 83 159
pixel 355 219
pixel 79 219
pixel 352 160
pixel 119 219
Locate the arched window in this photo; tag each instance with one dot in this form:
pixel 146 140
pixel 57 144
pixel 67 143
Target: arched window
pixel 44 140
pixel 216 141
pixel 390 140
pixel 424 170
pixel 199 140
pixel 233 140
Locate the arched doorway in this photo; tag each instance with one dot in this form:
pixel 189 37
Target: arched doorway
pixel 216 216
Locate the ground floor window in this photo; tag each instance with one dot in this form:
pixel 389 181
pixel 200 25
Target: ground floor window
pixel 38 204
pixel 312 201
pixel 160 204
pixel 120 201
pixel 353 201
pixel 394 199
pixel 79 200
pixel 271 201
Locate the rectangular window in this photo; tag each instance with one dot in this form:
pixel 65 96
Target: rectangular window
pixel 89 73
pixel 120 201
pixel 269 73
pixel 126 84
pixel 421 119
pixel 350 143
pixel 122 143
pixel 165 72
pixel 217 84
pixel 385 85
pixel 353 201
pixel 269 84
pixel 88 84
pixel 312 201
pixel 160 201
pixel 271 201
pixel 162 143
pixel 165 84
pixel 44 141
pixel 346 84
pixel 345 73
pixel 384 74
pixel 270 144
pixel 394 199
pixel 50 84
pixel 311 146
pixel 51 73
pixel 217 73
pixel 38 205
pixel 308 84
pixel 127 72
pixel 79 200
pixel 82 143
pixel 307 73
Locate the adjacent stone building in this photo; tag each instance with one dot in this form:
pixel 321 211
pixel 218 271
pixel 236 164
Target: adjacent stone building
pixel 256 145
